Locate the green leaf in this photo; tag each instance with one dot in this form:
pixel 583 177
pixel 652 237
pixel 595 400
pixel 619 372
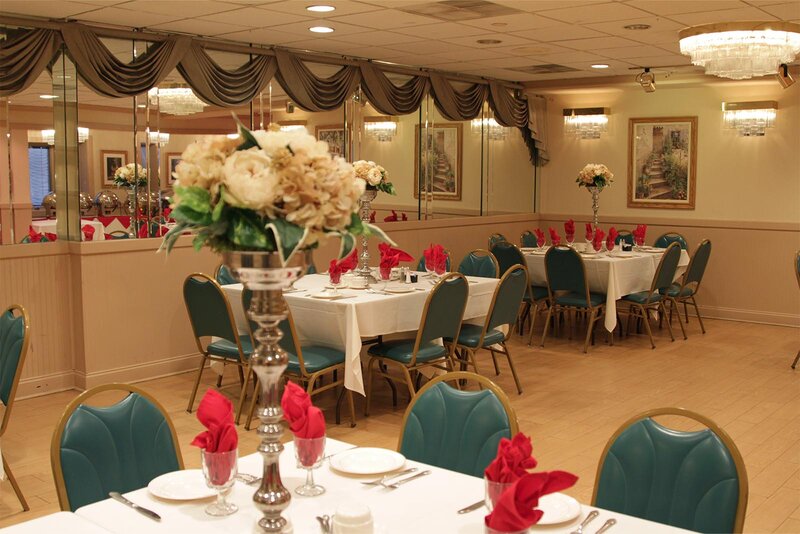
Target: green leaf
pixel 172 236
pixel 198 242
pixel 387 187
pixel 347 243
pixel 247 232
pixel 249 140
pixel 217 213
pixel 288 236
pixel 191 217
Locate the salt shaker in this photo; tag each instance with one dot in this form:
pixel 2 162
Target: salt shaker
pixel 407 273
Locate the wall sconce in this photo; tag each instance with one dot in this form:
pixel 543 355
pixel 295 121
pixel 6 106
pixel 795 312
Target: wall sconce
pixel 292 126
pixel 749 118
pixel 158 138
pixel 49 136
pixel 496 131
pixel 586 123
pixel 380 128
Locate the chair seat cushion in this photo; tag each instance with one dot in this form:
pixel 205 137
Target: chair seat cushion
pixel 315 358
pixel 227 349
pixel 401 350
pixel 471 333
pixel 538 292
pixel 675 291
pixel 641 297
pixel 579 299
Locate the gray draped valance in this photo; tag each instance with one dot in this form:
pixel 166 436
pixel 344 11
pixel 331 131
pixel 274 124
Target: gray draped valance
pixel 387 97
pixel 457 105
pixel 311 92
pixel 23 56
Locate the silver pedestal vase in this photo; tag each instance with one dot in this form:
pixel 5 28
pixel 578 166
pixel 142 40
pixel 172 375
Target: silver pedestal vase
pixel 263 274
pixel 133 230
pixel 595 191
pixel 363 270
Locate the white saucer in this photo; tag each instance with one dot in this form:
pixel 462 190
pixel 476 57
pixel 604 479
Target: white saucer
pixel 327 296
pixel 558 508
pixel 406 288
pixel 186 485
pixel 367 461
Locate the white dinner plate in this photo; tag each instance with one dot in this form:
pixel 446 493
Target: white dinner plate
pixel 528 249
pixel 399 289
pixel 558 508
pixel 367 461
pixel 328 296
pixel 186 485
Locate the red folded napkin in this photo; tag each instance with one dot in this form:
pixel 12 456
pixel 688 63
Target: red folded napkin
pixel 514 458
pixel 540 239
pixel 372 217
pixel 50 237
pixel 612 238
pixel 387 250
pixel 515 509
pixel 338 267
pixel 435 258
pixel 305 420
pixel 597 242
pixel 569 230
pixel 391 218
pixel 555 239
pixel 215 412
pixel 639 234
pixel 589 232
pixel 403 216
pixel 88 232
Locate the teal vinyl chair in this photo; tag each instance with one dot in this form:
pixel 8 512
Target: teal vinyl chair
pixel 15 338
pixel 643 302
pixel 692 480
pixel 568 288
pixel 119 234
pixel 307 363
pixel 441 319
pixel 496 238
pixel 507 256
pixel 421 263
pixel 211 316
pixel 797 275
pixel 624 236
pixel 664 240
pixel 479 262
pixel 455 429
pixel 685 291
pixel 503 310
pixel 528 239
pixel 122 447
pixel 224 276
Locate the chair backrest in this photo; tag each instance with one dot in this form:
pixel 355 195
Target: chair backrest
pixel 224 276
pixel 122 447
pixel 693 480
pixel 665 272
pixel 507 254
pixel 479 262
pixel 671 237
pixel 421 263
pixel 119 234
pixel 496 238
pixel 208 307
pixel 288 342
pixel 528 239
pixel 624 235
pixel 507 298
pixel 14 341
pixel 454 429
pixel 697 265
pixel 444 309
pixel 565 271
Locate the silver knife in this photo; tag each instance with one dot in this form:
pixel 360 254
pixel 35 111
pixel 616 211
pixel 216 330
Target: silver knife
pixel 409 479
pixel 144 511
pixel 471 507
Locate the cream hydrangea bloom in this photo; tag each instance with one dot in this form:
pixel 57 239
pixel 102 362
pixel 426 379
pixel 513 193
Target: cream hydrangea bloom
pixel 202 162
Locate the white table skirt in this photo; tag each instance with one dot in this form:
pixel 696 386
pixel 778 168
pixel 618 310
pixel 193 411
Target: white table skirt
pixel 60 522
pixel 616 276
pixel 426 505
pixel 342 323
pixel 49 225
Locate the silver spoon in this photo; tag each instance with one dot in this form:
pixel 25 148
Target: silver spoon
pixel 592 515
pixel 324 523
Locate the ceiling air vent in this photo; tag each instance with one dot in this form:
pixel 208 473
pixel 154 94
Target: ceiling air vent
pixel 456 10
pixel 550 68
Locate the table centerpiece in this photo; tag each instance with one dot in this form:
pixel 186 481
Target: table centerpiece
pixel 131 177
pixel 375 178
pixel 260 200
pixel 595 177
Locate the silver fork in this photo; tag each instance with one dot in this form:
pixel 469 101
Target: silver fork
pixel 381 481
pixel 589 518
pixel 409 479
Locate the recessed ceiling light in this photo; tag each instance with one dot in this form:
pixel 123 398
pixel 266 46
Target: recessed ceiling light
pixel 488 41
pixel 599 66
pixel 637 27
pixel 48 97
pixel 320 29
pixel 320 8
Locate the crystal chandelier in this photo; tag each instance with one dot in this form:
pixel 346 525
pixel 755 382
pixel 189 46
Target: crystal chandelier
pixel 586 123
pixel 496 132
pixel 380 128
pixel 176 100
pixel 49 136
pixel 749 118
pixel 741 50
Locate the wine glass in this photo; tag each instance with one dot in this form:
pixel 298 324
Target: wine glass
pixel 493 492
pixel 335 282
pixel 639 240
pixel 309 453
pixel 570 240
pixel 440 268
pixel 430 270
pixel 220 469
pixel 597 245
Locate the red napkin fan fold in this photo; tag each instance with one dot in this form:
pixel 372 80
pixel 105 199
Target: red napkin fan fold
pixel 589 232
pixel 305 420
pixel 555 239
pixel 215 412
pixel 569 229
pixel 540 239
pixel 516 508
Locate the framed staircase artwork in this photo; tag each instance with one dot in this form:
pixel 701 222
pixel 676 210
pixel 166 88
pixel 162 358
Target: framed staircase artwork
pixel 440 165
pixel 662 162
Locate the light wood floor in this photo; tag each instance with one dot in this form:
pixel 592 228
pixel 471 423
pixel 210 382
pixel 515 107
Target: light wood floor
pixel 737 374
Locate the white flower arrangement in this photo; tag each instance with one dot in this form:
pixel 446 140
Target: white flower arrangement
pixel 266 191
pixel 374 176
pixel 130 175
pixel 595 175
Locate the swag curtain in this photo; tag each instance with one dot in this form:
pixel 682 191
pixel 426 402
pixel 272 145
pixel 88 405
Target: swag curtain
pixel 388 98
pixel 24 56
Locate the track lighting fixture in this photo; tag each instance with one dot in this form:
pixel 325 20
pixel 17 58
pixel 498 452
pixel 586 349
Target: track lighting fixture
pixel 647 80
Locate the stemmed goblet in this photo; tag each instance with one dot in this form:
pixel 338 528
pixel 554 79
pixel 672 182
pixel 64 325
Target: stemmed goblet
pixel 309 453
pixel 220 469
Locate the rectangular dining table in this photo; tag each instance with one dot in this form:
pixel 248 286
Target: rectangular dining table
pixel 425 505
pixel 49 225
pixel 360 313
pixel 615 274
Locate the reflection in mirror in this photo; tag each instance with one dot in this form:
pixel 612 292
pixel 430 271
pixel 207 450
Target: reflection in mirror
pixel 510 175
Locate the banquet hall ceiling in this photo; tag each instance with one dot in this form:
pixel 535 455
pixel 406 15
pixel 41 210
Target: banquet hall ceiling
pixel 538 39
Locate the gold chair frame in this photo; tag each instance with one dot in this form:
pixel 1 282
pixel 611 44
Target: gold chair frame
pixel 240 363
pixel 458 377
pixel 306 379
pixel 695 286
pixel 708 423
pixel 493 351
pixel 448 359
pixel 55 443
pixel 26 339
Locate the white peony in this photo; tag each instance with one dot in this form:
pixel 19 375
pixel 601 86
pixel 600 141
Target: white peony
pixel 250 181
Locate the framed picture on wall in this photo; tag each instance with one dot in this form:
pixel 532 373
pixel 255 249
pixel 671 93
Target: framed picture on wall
pixel 111 161
pixel 173 158
pixel 334 136
pixel 441 161
pixel 662 162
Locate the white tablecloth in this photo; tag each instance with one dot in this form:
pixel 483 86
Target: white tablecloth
pixel 426 505
pixel 60 522
pixel 342 323
pixel 616 276
pixel 49 225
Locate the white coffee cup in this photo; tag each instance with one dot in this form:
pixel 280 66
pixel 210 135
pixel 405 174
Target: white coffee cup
pixel 353 518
